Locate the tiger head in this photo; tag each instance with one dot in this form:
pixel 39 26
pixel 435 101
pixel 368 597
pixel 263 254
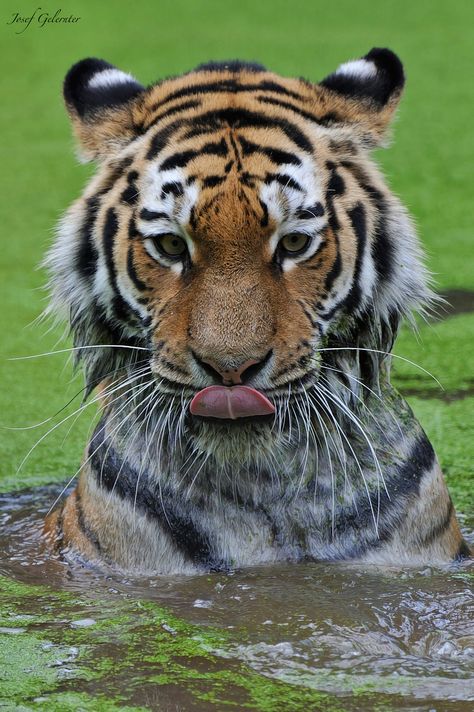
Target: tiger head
pixel 239 231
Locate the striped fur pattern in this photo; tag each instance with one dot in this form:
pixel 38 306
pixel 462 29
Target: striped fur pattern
pixel 225 164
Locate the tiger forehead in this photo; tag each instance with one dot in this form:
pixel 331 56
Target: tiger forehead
pixel 232 186
pixel 200 104
pixel 234 214
pixel 207 86
pixel 228 179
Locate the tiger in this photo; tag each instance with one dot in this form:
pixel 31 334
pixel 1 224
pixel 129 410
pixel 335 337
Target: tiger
pixel 234 277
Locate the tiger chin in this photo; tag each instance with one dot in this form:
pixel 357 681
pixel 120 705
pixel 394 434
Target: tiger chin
pixel 234 277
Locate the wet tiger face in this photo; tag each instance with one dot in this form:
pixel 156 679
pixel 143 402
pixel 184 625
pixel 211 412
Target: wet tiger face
pixel 234 223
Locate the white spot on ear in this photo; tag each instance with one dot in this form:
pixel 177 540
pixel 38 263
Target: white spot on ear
pixel 110 78
pixel 359 69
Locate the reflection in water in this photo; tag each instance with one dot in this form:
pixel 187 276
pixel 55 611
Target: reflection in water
pixel 407 635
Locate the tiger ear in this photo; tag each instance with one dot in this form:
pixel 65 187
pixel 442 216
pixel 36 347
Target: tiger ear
pixel 100 100
pixel 365 92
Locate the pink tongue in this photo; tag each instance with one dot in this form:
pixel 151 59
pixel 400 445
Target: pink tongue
pixel 234 402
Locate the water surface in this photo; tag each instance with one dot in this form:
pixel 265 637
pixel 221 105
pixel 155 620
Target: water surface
pixel 287 637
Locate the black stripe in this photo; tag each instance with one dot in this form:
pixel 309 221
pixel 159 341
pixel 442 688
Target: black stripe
pixel 175 188
pixel 314 211
pixel 296 109
pixel 236 152
pixel 87 254
pixel 402 485
pixel 215 148
pixel 178 160
pixel 420 460
pixel 130 194
pixel 132 229
pixel 243 118
pixel 336 268
pixel 172 110
pixel 274 154
pixel 284 180
pixel 359 225
pixel 192 218
pixel 225 85
pixel 161 138
pixel 335 187
pixel 264 218
pixel 132 272
pixel 464 551
pixel 162 506
pixel 121 308
pixel 439 528
pixel 268 85
pixel 344 146
pixel 352 301
pixel 212 181
pixel 152 215
pixel 182 158
pixel 84 526
pixel 382 249
pixel 308 314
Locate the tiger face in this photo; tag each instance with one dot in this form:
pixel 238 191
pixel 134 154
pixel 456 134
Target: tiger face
pixel 237 230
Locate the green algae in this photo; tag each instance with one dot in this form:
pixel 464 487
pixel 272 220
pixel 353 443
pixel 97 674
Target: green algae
pixel 132 637
pixel 28 666
pixel 76 702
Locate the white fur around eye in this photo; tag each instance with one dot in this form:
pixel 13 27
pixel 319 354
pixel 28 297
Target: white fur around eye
pixel 290 262
pixel 174 265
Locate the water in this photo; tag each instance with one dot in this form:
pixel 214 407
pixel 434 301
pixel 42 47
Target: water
pixel 264 638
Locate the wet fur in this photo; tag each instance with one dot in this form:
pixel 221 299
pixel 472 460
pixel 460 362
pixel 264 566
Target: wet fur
pixel 233 157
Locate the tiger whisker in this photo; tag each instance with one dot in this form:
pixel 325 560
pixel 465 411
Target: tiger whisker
pixel 88 458
pixel 385 353
pixel 47 420
pixel 358 423
pixel 325 381
pixel 352 416
pixel 331 469
pixel 364 385
pixel 143 404
pixel 57 425
pixel 329 412
pixel 79 348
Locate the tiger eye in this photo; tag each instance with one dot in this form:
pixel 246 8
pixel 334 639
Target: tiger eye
pixel 171 245
pixel 295 242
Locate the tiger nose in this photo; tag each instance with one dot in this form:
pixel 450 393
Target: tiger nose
pixel 235 375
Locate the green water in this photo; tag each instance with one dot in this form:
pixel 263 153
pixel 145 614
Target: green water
pixel 287 637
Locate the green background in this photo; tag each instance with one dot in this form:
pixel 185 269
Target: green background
pixel 429 166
